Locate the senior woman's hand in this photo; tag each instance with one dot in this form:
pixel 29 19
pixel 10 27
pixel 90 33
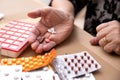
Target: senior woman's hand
pixel 108 36
pixel 58 21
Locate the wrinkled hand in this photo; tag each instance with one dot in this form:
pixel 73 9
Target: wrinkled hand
pixel 108 36
pixel 40 38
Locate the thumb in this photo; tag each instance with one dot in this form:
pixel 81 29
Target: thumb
pixel 39 12
pixel 94 41
pixel 36 13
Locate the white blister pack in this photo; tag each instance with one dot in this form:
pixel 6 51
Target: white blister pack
pixel 10 72
pixel 14 72
pixel 88 76
pixel 44 74
pixel 74 65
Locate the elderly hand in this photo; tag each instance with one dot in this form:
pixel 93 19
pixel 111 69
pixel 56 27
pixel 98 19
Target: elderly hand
pixel 60 22
pixel 108 36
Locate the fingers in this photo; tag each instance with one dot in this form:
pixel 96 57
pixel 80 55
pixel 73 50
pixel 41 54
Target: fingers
pixel 33 35
pixel 108 47
pixel 103 41
pixel 43 43
pixel 110 43
pixel 40 47
pixel 35 45
pixel 50 17
pixel 35 14
pixel 49 45
pixel 117 50
pixel 45 47
pixel 94 41
pixel 111 47
pixel 38 12
pixel 103 32
pixel 106 28
pixel 32 38
pixel 108 37
pixel 38 31
pixel 101 26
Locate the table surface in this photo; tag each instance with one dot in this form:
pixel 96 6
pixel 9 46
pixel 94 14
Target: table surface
pixel 77 42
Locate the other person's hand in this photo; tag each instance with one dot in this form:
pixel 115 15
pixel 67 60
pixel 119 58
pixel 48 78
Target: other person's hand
pixel 108 36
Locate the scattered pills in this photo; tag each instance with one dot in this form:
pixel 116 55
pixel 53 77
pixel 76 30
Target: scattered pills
pixel 52 30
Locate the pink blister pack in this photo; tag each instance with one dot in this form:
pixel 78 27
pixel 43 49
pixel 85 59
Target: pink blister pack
pixel 74 65
pixel 13 37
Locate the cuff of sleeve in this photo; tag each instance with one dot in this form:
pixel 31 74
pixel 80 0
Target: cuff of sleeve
pixel 119 19
pixel 50 4
pixel 78 4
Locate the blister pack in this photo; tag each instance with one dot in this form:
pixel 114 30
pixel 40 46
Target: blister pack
pixel 43 74
pixel 32 62
pixel 13 72
pixel 74 65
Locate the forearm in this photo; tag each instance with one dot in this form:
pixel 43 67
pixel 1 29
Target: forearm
pixel 64 5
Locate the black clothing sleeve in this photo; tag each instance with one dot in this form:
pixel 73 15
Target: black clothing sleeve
pixel 78 4
pixel 50 4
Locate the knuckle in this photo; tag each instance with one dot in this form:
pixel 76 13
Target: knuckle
pixel 100 42
pixel 115 21
pixel 117 50
pixel 107 49
pixel 97 29
pixel 117 41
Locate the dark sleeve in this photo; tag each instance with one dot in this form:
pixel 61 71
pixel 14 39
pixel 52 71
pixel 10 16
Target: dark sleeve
pixel 78 4
pixel 119 19
pixel 50 4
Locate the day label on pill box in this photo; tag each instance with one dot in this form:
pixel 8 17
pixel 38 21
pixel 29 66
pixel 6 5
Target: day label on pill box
pixel 73 65
pixel 13 37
